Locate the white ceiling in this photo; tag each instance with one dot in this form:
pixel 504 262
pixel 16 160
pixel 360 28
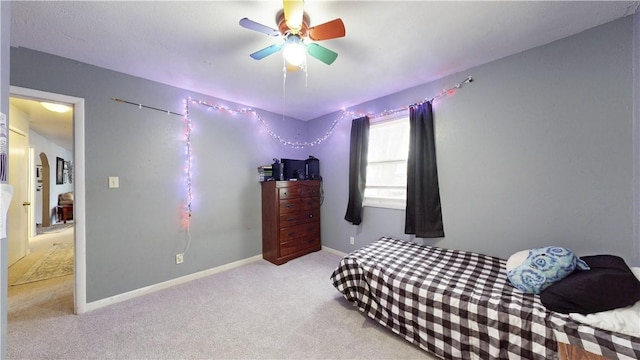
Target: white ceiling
pixel 389 45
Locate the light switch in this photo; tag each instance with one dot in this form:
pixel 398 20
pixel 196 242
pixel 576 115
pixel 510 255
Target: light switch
pixel 114 182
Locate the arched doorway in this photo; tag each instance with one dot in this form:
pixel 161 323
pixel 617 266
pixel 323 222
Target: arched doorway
pixel 46 184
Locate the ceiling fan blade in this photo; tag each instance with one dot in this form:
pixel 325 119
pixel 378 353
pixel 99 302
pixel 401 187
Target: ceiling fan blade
pixel 329 30
pixel 252 25
pixel 261 54
pixel 293 14
pixel 322 53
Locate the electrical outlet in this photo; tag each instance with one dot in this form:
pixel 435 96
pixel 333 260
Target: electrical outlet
pixel 179 258
pixel 114 182
pixel 352 240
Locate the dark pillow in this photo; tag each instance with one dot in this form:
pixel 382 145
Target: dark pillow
pixel 609 284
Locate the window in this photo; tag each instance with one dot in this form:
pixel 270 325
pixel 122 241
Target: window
pixel 387 162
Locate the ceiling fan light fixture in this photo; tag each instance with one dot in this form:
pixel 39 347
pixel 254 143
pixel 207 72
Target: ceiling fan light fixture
pixel 293 26
pixel 294 54
pixel 59 108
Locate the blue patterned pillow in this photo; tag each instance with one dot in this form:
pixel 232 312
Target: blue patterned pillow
pixel 542 267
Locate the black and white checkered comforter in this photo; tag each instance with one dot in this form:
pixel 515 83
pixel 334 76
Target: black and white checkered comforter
pixel 460 305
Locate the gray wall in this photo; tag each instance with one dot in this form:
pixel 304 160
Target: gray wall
pixel 134 232
pixel 538 150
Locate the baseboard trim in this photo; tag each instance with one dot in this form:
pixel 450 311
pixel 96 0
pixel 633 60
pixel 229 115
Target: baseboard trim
pixel 167 284
pixel 333 251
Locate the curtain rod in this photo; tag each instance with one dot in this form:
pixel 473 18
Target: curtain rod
pixel 140 106
pixel 445 92
pixel 406 108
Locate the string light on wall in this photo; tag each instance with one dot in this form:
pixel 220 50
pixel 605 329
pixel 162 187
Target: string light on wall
pixel 186 220
pixel 302 145
pixel 256 115
pixel 188 163
pixel 443 92
pixel 280 139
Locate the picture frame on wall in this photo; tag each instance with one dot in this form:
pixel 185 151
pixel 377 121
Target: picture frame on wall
pixel 68 172
pixel 59 171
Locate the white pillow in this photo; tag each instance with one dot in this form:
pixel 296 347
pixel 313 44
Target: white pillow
pixel 623 320
pixel 516 259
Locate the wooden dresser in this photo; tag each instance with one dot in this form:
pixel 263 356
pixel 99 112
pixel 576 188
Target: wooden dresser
pixel 290 219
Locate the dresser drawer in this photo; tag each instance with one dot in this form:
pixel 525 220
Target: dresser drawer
pixel 300 217
pixel 299 189
pixel 300 204
pixel 292 232
pixel 288 192
pixel 308 190
pixel 299 244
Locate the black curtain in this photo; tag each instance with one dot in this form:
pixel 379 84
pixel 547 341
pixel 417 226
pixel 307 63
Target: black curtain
pixel 357 168
pixel 424 212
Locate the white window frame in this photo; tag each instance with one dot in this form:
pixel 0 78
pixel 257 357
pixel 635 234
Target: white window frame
pixel 388 203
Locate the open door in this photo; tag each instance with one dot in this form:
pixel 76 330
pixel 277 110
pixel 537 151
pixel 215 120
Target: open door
pixel 20 206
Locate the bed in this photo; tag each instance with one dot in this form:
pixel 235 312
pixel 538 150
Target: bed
pixel 460 305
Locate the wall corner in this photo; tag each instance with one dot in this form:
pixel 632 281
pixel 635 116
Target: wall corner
pixel 636 136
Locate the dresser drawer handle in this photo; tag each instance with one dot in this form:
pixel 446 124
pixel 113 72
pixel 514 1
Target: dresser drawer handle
pixel 290 206
pixel 291 219
pixel 310 216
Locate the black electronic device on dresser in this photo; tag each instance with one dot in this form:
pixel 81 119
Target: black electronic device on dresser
pixel 290 219
pixel 312 168
pixel 292 169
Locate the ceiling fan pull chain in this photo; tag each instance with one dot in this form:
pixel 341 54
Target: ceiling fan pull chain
pixel 284 88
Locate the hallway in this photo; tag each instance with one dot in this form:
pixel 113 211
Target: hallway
pixel 57 292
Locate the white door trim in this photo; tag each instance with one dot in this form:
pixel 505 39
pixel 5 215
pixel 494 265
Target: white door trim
pixel 80 270
pixel 31 192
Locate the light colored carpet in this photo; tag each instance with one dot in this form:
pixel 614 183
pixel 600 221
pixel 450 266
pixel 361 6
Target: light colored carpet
pixel 58 261
pixel 257 311
pixel 56 228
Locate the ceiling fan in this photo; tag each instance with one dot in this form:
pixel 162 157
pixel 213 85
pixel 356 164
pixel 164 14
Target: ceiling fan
pixel 293 28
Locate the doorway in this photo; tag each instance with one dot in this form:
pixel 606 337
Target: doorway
pixel 78 176
pixel 20 206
